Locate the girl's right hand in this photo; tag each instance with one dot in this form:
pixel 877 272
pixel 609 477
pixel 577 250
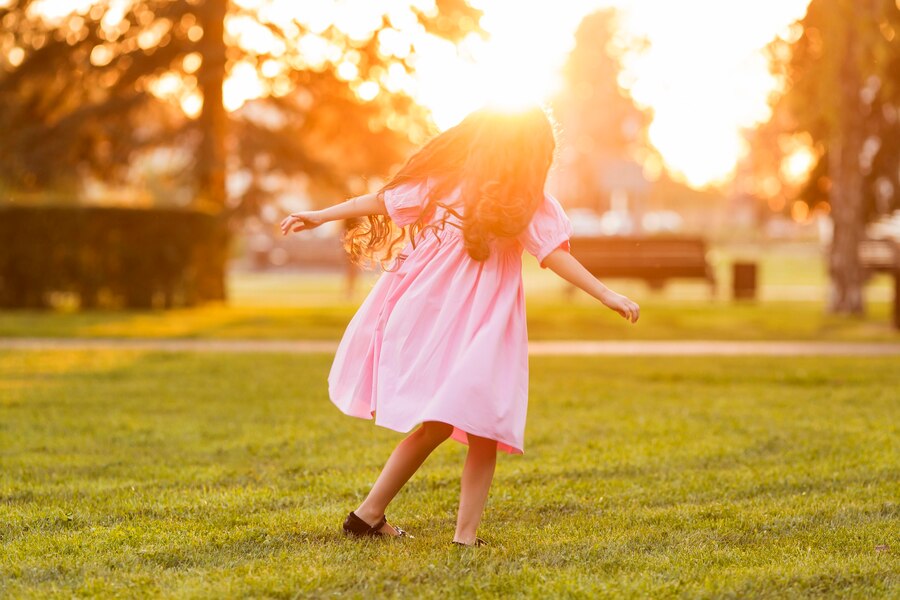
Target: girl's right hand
pixel 301 221
pixel 622 305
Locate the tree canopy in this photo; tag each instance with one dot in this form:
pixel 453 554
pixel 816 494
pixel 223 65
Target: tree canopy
pixel 254 87
pixel 600 123
pixel 841 68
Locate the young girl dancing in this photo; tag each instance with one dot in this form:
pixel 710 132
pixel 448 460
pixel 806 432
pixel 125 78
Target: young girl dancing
pixel 440 341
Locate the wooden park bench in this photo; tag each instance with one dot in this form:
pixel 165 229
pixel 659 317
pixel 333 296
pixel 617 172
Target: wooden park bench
pixel 883 256
pixel 655 259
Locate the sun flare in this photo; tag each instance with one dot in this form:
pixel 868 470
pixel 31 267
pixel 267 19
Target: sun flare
pixel 702 75
pixel 517 65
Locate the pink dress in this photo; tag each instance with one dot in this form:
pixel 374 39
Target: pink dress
pixel 443 337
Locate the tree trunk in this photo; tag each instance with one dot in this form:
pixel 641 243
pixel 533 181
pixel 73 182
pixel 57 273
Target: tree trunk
pixel 213 124
pixel 846 195
pixel 847 275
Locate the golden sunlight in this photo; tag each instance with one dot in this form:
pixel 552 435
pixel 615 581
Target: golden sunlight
pixel 702 74
pixel 518 64
pixel 800 159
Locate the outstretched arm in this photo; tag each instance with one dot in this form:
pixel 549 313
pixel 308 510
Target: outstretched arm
pixel 360 206
pixel 567 266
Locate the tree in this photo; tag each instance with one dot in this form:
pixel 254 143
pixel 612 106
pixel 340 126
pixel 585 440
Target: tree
pixel 600 122
pixel 843 75
pixel 85 94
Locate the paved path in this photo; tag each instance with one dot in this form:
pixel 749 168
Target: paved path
pixel 536 348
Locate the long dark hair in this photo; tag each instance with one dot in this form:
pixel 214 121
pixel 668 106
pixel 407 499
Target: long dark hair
pixel 500 159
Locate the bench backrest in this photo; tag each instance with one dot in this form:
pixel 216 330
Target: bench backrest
pixel 643 256
pixel 879 255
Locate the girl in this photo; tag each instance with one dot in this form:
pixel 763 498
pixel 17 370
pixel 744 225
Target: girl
pixel 440 341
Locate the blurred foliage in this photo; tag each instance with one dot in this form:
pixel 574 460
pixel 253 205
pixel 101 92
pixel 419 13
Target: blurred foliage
pixel 600 122
pixel 77 99
pixel 109 257
pixel 841 68
pixel 811 104
pixel 100 93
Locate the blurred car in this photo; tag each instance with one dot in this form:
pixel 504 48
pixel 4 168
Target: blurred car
pixel 662 221
pixel 588 223
pixel 885 228
pixel 585 222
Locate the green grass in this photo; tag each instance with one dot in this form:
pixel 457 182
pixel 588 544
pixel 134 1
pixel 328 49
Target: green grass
pixel 217 475
pixel 316 306
pixel 547 319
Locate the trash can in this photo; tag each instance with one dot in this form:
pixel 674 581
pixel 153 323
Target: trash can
pixel 743 281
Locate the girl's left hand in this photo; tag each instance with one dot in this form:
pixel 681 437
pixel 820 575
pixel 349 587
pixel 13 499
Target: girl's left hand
pixel 623 305
pixel 301 221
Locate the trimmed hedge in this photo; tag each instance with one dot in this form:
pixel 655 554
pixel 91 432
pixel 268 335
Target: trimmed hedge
pixel 110 257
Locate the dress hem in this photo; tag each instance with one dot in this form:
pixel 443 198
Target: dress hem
pixel 502 445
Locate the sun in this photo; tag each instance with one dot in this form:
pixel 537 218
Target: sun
pixel 702 77
pixel 704 80
pixel 516 65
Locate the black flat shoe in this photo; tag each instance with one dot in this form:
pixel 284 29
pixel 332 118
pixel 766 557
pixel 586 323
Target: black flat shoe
pixel 355 526
pixel 478 542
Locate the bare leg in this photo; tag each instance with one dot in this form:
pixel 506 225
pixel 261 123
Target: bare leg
pixel 405 460
pixel 476 482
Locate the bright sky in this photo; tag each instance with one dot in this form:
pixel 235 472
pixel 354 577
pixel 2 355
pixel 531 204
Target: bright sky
pixel 703 76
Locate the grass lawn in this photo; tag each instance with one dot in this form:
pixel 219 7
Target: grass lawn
pixel 218 475
pixel 547 319
pixel 272 305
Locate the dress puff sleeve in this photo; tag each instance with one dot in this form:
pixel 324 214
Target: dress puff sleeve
pixel 404 203
pixel 548 230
